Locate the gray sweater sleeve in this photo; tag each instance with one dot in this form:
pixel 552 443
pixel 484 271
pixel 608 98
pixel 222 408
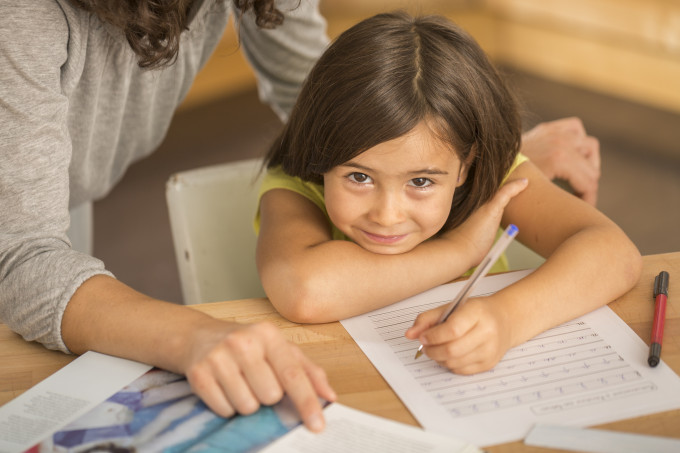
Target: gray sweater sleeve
pixel 71 98
pixel 283 57
pixel 38 270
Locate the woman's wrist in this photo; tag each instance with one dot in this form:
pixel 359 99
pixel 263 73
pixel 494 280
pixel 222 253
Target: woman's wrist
pixel 184 334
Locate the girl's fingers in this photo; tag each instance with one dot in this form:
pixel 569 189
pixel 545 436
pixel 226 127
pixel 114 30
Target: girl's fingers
pixel 469 340
pixel 480 358
pixel 468 367
pixel 459 324
pixel 424 321
pixel 452 340
pixel 510 189
pixel 495 207
pixel 465 356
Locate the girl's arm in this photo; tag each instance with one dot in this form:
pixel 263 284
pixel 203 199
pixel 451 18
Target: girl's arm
pixel 590 263
pixel 309 277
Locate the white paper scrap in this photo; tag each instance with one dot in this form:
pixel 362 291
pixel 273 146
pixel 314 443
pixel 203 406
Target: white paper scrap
pixel 598 440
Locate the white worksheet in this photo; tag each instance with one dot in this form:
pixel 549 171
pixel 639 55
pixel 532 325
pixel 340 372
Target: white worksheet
pixel 350 430
pixel 588 371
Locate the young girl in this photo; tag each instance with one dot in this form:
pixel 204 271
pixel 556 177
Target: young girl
pixel 397 166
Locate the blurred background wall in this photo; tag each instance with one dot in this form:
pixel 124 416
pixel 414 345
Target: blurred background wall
pixel 625 48
pixel 614 63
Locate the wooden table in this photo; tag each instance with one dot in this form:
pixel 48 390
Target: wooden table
pixel 357 382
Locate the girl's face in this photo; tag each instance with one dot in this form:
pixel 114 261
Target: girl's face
pixel 395 195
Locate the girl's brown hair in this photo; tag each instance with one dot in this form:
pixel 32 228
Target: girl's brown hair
pixel 153 27
pixel 382 77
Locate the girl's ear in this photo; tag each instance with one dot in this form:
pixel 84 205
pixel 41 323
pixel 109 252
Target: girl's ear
pixel 465 166
pixel 462 174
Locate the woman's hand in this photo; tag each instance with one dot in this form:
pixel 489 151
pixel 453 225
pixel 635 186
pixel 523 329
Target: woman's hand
pixel 562 149
pixel 236 368
pixel 477 233
pixel 231 367
pixel 472 340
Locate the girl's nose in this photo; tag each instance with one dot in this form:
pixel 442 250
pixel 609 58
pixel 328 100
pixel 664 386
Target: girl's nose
pixel 387 209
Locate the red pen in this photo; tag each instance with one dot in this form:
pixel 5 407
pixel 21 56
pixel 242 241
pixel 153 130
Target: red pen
pixel 660 296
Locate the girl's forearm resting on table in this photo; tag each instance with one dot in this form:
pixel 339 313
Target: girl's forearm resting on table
pixel 311 278
pixel 338 279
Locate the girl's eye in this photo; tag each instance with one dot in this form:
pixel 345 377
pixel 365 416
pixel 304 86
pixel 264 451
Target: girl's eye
pixel 360 178
pixel 421 182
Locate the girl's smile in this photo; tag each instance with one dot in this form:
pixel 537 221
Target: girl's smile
pixel 384 239
pixel 395 195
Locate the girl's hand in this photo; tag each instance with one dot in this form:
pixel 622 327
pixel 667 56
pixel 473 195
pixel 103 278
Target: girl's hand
pixel 236 368
pixel 472 340
pixel 478 232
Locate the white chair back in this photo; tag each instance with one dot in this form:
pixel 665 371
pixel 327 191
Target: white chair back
pixel 211 217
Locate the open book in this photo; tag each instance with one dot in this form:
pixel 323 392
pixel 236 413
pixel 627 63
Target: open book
pixel 102 403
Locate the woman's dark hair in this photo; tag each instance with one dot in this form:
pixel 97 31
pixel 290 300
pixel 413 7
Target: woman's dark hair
pixel 153 27
pixel 382 77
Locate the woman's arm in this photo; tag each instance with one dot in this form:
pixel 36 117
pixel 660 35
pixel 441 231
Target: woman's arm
pixel 311 278
pixel 232 367
pixel 590 263
pixel 281 58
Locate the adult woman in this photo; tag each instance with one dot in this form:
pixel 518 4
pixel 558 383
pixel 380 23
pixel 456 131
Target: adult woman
pixel 89 86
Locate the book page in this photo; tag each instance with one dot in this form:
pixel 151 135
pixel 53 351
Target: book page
pixel 349 430
pixel 589 371
pixel 63 397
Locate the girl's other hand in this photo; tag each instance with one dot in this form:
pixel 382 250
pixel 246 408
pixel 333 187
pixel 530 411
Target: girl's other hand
pixel 477 233
pixel 236 368
pixel 472 340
